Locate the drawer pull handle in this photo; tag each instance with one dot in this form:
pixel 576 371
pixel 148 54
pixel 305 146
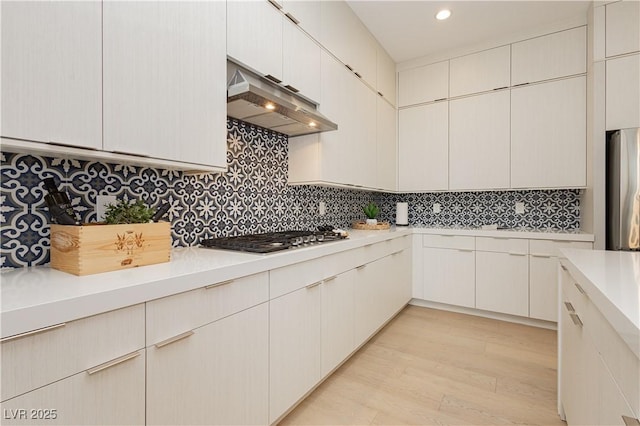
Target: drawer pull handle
pixel 395 253
pixel 564 268
pixel 546 256
pixel 33 332
pixel 576 319
pixel 331 278
pixel 113 363
pixel 314 285
pixel 630 421
pixel 174 339
pixel 580 289
pixel 569 307
pixel 292 18
pixel 361 267
pixel 466 250
pixel 210 286
pixel 517 254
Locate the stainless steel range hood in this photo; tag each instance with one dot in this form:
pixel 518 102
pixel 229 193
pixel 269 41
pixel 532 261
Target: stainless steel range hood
pixel 260 102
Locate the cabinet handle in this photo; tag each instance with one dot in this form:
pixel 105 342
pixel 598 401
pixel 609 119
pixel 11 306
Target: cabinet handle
pixel 521 84
pixel 569 307
pixel 440 100
pixel 32 332
pixel 630 421
pixel 210 286
pixel 293 89
pixel 357 74
pixel 113 363
pixel 316 284
pixel 272 78
pixel 292 18
pixel 580 289
pixel 174 339
pixel 395 253
pixel 275 4
pixel 576 319
pixel 349 67
pixel 380 94
pixel 500 88
pixel 466 250
pixel 545 256
pixel 330 278
pixel 564 268
pixel 361 267
pixel 517 254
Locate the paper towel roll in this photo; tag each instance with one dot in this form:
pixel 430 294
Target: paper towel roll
pixel 402 214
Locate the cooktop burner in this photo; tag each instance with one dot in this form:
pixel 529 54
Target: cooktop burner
pixel 272 241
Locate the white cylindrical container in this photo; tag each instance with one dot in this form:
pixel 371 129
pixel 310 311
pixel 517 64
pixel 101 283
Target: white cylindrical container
pixel 402 214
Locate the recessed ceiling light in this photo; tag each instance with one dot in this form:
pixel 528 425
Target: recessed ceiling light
pixel 443 14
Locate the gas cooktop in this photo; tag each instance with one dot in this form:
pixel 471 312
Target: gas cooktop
pixel 273 241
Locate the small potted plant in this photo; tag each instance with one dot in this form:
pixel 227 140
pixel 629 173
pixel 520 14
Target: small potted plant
pixel 124 212
pixel 371 210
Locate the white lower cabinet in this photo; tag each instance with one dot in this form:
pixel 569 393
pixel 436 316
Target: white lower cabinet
pixel 338 340
pixel 213 375
pixel 502 283
pixel 295 324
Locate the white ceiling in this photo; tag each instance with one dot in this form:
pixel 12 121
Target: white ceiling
pixel 408 29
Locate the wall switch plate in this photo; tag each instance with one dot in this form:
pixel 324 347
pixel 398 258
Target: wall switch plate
pixel 519 208
pixel 101 205
pixel 322 208
pixel 436 207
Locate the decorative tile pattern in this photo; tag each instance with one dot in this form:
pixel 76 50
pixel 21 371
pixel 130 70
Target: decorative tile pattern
pixel 253 196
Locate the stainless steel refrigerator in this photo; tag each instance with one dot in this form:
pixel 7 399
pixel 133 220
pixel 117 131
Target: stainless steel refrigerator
pixel 623 190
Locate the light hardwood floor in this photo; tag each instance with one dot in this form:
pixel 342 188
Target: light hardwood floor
pixel 430 367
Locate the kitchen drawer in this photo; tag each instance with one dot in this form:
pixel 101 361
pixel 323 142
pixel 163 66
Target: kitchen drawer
pixel 618 357
pixel 293 277
pixel 33 360
pixel 503 245
pixel 183 312
pixel 449 242
pixel 375 251
pixel 551 248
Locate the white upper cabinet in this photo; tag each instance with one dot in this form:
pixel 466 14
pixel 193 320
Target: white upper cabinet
pixel 386 146
pixel 479 142
pixel 550 56
pixel 623 92
pixel 254 36
pixel 52 72
pixel 548 134
pixel 386 76
pixel 347 38
pixel 480 72
pixel 423 148
pixel 307 13
pixel 300 62
pixel 423 84
pixel 622 27
pixel 165 80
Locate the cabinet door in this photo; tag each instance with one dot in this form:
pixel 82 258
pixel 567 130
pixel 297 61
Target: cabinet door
pixel 551 56
pixel 423 148
pixel 217 375
pixel 479 142
pixel 165 80
pixel 364 143
pixel 110 394
pixel 300 62
pixel 337 320
pixel 423 84
pixel 543 287
pixel 369 310
pixel 549 134
pixel 502 283
pixel 254 35
pixel 386 76
pixel 449 276
pixel 52 72
pixel 294 347
pixel 480 72
pixel 386 146
pixel 612 404
pixel 623 92
pixel 622 23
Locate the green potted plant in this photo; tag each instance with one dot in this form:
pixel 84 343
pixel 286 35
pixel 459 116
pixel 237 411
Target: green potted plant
pixel 124 212
pixel 371 210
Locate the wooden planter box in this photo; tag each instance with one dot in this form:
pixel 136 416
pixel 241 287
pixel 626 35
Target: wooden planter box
pixel 89 249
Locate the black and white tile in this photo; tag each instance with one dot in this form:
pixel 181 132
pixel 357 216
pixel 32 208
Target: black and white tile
pixel 253 196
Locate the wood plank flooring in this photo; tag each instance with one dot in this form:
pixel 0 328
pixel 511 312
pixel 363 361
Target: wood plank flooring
pixel 430 367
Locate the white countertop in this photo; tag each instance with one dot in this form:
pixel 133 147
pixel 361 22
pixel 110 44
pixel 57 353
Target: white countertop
pixel 611 279
pixel 525 233
pixel 37 297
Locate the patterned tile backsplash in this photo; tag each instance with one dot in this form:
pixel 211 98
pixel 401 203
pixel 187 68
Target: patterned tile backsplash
pixel 253 196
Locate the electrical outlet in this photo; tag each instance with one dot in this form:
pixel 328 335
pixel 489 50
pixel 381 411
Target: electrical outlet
pixel 322 208
pixel 436 207
pixel 101 205
pixel 519 208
